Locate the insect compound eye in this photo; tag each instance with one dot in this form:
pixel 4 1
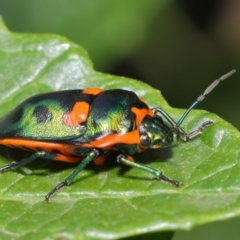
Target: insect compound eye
pixel 145 140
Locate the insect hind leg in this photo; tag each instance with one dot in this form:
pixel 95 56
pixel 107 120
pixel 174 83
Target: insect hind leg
pixel 14 165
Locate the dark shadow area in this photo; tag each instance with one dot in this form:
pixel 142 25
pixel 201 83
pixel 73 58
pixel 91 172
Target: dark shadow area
pixel 201 12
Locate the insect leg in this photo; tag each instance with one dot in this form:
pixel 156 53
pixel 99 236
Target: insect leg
pixel 92 155
pixel 124 160
pixel 185 137
pixel 24 161
pixel 175 128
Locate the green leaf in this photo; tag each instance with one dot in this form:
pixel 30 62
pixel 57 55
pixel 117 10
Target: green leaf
pixel 105 18
pixel 104 203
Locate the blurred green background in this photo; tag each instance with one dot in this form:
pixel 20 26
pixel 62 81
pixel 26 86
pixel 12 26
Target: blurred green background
pixel 178 47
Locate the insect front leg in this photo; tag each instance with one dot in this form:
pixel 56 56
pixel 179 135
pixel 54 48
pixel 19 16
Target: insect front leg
pixel 157 173
pixel 91 155
pixel 185 137
pixel 176 128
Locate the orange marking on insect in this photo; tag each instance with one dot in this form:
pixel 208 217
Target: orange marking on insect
pixel 140 114
pixel 34 145
pixel 68 159
pixel 130 158
pixel 99 161
pixel 78 114
pixel 93 91
pixel 140 148
pixel 112 139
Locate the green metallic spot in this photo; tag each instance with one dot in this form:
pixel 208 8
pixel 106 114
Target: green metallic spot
pixel 35 127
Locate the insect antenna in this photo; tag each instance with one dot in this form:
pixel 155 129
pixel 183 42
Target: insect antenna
pixel 205 93
pixel 200 99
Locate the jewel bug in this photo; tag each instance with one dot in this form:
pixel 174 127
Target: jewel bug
pixel 79 126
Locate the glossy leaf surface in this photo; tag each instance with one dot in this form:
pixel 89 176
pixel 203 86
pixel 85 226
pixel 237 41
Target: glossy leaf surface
pixel 108 202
